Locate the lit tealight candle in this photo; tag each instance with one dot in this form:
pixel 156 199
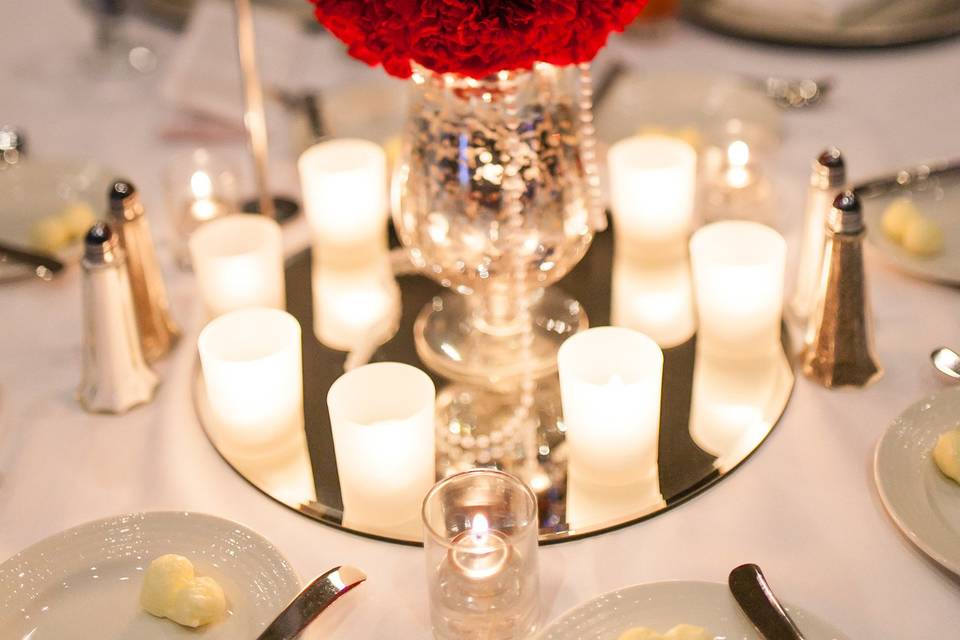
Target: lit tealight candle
pixel 253 376
pixel 738 160
pixel 480 545
pixel 204 207
pixel 382 418
pixel 652 190
pixel 238 260
pixel 610 383
pixel 738 273
pixel 480 553
pixel 344 184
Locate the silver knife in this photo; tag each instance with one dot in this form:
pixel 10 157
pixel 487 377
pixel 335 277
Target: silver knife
pixel 756 599
pixel 45 266
pixel 907 178
pixel 312 601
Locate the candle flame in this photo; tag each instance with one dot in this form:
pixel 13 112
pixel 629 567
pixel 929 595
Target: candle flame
pixel 738 153
pixel 201 185
pixel 479 527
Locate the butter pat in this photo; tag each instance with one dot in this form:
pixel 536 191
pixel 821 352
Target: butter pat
pixel 679 632
pixel 172 590
pixel 77 219
pixel 946 454
pixel 923 237
pixel 165 577
pixel 640 633
pixel 200 603
pixel 49 235
pixel 898 217
pixel 687 632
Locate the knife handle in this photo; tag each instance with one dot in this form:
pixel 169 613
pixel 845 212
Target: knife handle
pixel 311 602
pixel 756 598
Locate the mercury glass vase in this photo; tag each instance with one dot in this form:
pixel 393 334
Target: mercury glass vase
pixel 496 198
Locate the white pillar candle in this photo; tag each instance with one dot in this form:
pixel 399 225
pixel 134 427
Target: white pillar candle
pixel 652 190
pixel 355 308
pixel 738 273
pixel 610 380
pixel 253 375
pixel 238 261
pixel 344 185
pixel 382 417
pixel 655 299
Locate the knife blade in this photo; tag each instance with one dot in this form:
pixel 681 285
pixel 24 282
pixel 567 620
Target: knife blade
pixel 45 266
pixel 910 177
pixel 312 601
pixel 756 599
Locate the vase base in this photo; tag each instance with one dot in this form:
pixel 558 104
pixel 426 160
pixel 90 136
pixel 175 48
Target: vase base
pixel 451 344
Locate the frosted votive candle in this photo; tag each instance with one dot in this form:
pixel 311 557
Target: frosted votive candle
pixel 238 261
pixel 610 382
pixel 344 185
pixel 382 417
pixel 738 273
pixel 652 190
pixel 253 374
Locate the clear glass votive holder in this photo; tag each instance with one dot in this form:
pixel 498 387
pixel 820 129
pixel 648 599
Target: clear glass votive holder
pixel 480 542
pixel 344 185
pixel 610 388
pixel 653 184
pixel 382 420
pixel 738 274
pixel 253 378
pixel 200 185
pixel 238 261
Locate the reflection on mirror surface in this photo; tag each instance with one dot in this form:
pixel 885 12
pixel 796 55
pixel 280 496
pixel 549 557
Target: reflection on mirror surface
pixel 357 307
pixel 655 299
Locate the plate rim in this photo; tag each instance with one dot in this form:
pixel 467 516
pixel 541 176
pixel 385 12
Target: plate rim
pixel 899 521
pixel 143 516
pixel 789 605
pixel 755 28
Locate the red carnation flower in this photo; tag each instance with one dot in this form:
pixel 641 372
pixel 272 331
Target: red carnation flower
pixel 474 37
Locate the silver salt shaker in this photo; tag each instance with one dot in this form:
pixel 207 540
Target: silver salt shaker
pixel 828 177
pixel 158 332
pixel 840 349
pixel 115 376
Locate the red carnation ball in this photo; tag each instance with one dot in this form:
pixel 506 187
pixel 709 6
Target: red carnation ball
pixel 474 37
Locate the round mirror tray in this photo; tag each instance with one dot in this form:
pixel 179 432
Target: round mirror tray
pixel 714 414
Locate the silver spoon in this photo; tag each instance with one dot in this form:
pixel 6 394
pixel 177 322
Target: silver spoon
pixel 755 597
pixel 312 601
pixel 947 362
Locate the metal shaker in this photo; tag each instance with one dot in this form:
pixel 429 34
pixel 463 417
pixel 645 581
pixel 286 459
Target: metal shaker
pixel 115 376
pixel 158 332
pixel 840 349
pixel 828 177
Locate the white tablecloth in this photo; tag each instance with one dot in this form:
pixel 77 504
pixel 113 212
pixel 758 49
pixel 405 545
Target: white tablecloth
pixel 804 507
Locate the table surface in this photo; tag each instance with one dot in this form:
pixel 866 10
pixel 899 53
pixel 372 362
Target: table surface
pixel 804 507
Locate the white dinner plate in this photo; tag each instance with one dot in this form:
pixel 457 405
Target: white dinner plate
pixel 663 605
pixel 85 582
pixel 941 205
pixel 36 189
pixel 923 502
